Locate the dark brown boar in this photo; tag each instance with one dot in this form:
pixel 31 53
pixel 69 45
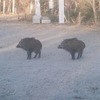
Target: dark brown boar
pixel 73 46
pixel 30 45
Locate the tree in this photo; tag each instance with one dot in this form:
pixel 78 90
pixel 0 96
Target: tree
pixel 13 6
pixel 4 6
pixel 9 6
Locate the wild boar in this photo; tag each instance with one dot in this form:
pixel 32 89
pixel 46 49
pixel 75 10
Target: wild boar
pixel 30 45
pixel 73 46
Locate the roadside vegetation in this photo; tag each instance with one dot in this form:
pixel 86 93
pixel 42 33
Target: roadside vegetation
pixel 76 11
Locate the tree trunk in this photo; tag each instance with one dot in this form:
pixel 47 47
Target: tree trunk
pixel 17 9
pixel 79 18
pixel 9 7
pixel 13 6
pixel 99 4
pixel 4 6
pixel 94 11
pixel 31 7
pixel 0 6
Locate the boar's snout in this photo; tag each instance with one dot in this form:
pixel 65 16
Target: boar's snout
pixel 60 47
pixel 18 46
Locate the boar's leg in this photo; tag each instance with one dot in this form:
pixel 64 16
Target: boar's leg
pixel 80 54
pixel 39 54
pixel 73 54
pixel 29 55
pixel 36 53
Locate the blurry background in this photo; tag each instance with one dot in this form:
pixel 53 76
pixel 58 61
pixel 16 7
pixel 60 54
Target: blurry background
pixel 76 11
